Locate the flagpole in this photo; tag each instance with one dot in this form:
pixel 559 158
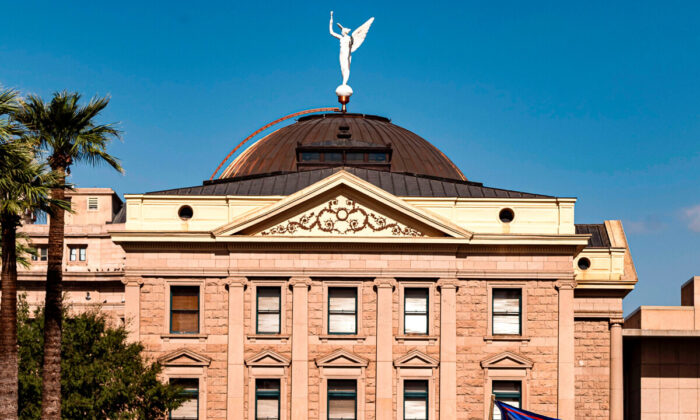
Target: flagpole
pixel 490 417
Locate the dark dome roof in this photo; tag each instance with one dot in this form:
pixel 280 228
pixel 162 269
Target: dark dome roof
pixel 406 151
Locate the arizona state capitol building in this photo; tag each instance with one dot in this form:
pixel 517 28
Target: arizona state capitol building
pixel 343 267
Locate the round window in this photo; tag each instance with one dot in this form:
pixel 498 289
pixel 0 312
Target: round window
pixel 506 215
pixel 584 263
pixel 185 212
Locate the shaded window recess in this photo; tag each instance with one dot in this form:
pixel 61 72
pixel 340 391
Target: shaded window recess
pixel 356 154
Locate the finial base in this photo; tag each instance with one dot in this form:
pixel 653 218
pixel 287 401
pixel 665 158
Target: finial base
pixel 344 92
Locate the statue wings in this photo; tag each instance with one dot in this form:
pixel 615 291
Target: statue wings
pixel 359 34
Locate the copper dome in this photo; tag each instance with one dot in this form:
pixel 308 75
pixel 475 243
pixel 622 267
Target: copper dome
pixel 331 140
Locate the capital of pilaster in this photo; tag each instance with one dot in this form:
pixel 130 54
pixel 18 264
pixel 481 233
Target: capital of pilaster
pixel 448 283
pixel 617 322
pixel 385 282
pixel 236 281
pixel 132 281
pixel 300 282
pixel 565 284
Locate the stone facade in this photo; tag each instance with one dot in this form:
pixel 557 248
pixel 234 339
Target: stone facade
pixel 561 359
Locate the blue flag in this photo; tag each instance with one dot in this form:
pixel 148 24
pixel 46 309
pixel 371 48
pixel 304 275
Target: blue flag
pixel 508 412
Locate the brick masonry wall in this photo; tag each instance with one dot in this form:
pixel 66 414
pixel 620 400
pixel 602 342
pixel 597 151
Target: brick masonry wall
pixel 592 360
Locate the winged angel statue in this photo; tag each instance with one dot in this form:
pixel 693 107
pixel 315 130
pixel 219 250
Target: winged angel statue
pixel 348 45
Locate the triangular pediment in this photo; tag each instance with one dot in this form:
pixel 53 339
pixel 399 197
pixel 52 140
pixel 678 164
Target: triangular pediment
pixel 415 359
pixel 184 357
pixel 342 205
pixel 507 360
pixel 267 358
pixel 341 358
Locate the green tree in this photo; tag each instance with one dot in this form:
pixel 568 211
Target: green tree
pixel 103 376
pixel 24 188
pixel 68 133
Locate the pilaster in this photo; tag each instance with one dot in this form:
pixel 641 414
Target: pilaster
pixel 235 396
pixel 566 370
pixel 448 348
pixel 132 306
pixel 616 369
pixel 300 347
pixel 384 390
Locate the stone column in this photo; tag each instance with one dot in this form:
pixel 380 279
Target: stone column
pixel 300 347
pixel 616 384
pixel 132 306
pixel 566 390
pixel 384 389
pixel 448 348
pixel 235 397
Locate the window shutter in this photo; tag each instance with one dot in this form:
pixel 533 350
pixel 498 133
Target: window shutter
pixel 92 203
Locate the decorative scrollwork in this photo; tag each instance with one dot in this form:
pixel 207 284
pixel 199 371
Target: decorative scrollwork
pixel 341 219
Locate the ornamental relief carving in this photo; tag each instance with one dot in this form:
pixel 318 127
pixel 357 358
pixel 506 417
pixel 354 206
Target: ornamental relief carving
pixel 341 216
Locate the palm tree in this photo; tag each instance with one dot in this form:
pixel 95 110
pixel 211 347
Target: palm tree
pixel 67 133
pixel 24 187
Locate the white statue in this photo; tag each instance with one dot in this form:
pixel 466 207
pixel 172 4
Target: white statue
pixel 348 45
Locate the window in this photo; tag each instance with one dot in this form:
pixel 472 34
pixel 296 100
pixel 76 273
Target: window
pixel 355 157
pixel 508 392
pixel 415 400
pixel 342 310
pixel 267 399
pixel 342 399
pixel 310 156
pixel 268 307
pixel 92 203
pixel 415 311
pixel 184 309
pixel 189 410
pixel 333 157
pixel 506 311
pixel 42 254
pixel 40 217
pixel 377 157
pixel 78 253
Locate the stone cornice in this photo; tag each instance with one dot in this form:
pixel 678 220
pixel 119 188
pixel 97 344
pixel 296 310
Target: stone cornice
pixel 364 273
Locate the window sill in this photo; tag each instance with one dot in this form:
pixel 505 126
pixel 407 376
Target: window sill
pixel 512 338
pixel 334 337
pixel 428 338
pixel 268 337
pixel 168 337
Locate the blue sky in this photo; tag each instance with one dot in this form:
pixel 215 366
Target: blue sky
pixel 597 100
